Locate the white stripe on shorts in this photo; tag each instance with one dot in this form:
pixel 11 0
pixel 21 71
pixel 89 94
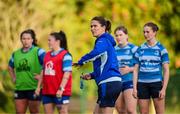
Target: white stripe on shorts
pixel 65 101
pixel 110 80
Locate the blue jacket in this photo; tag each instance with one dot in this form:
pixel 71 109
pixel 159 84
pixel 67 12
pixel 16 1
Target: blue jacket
pixel 104 59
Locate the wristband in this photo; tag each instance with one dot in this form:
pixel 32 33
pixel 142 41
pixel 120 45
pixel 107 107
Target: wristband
pixel 61 89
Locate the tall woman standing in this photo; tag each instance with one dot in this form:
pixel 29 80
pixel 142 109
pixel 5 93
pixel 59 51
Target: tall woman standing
pixel 151 73
pixel 23 65
pixel 56 76
pixel 105 65
pixel 125 51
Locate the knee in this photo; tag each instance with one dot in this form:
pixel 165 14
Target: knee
pixel 144 112
pixel 131 111
pixel 20 112
pixel 34 111
pixel 96 112
pixel 159 112
pixel 121 111
pixel 63 111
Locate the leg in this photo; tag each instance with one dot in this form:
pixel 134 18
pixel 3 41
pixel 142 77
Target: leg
pixel 97 109
pixel 107 110
pixel 130 101
pixel 63 109
pixel 144 106
pixel 49 108
pixel 112 93
pixel 159 105
pixel 144 97
pixel 21 106
pixel 120 104
pixel 34 106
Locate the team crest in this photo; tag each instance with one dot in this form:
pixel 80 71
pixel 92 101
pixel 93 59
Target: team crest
pixel 156 53
pixel 49 68
pixel 142 52
pixel 23 65
pixel 127 52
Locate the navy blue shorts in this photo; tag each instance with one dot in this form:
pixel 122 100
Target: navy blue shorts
pixel 53 99
pixel 108 93
pixel 26 94
pixel 127 85
pixel 148 90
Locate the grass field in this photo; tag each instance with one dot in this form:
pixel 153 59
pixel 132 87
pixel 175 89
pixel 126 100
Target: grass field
pixel 80 105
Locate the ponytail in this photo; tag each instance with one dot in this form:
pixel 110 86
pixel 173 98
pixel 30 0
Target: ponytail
pixel 108 26
pixel 62 37
pixel 63 40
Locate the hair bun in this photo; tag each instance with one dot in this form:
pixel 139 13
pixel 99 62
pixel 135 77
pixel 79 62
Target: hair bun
pixel 62 33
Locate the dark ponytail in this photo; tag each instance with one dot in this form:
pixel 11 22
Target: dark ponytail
pixel 103 22
pixel 33 35
pixel 62 37
pixel 108 26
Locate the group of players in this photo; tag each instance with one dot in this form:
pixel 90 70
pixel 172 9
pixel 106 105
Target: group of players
pixel 125 74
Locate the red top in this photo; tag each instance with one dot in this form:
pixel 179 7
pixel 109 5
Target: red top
pixel 53 74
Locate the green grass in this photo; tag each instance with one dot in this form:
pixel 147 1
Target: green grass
pixel 79 103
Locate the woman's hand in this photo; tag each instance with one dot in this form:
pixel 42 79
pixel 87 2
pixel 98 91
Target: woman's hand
pixel 134 94
pixel 86 76
pixel 37 76
pixel 125 70
pixel 76 64
pixel 37 91
pixel 162 94
pixel 59 93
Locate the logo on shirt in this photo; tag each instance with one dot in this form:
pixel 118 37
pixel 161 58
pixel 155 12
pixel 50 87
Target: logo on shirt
pixel 23 65
pixel 156 53
pixel 127 52
pixel 142 52
pixel 49 69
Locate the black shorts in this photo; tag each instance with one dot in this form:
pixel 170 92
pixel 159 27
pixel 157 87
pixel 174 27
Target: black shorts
pixel 127 85
pixel 108 93
pixel 26 94
pixel 148 90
